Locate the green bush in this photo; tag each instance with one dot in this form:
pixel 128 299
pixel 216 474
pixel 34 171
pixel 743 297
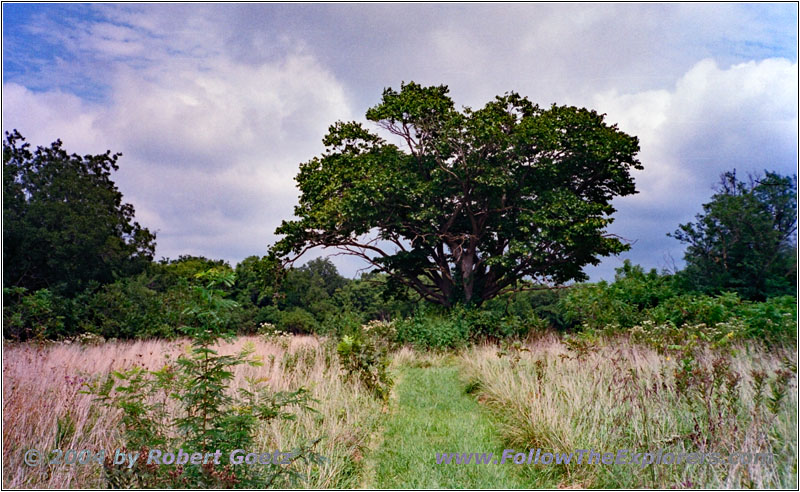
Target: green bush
pixel 621 304
pixel 297 321
pixel 187 404
pixel 364 357
pixel 432 331
pixel 695 309
pixel 36 315
pixel 129 308
pixel 341 323
pixel 656 312
pixel 442 330
pixel 774 320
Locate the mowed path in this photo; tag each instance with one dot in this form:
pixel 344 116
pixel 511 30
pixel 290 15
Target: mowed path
pixel 430 413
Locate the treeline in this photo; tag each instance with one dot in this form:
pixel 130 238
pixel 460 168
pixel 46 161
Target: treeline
pixel 76 262
pixel 311 299
pixel 316 299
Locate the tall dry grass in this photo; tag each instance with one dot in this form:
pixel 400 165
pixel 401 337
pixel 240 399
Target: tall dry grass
pixel 44 409
pixel 622 396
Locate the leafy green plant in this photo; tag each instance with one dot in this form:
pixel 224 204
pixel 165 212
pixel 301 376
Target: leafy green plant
pixel 297 320
pixel 186 404
pixel 36 315
pixel 432 331
pixel 364 358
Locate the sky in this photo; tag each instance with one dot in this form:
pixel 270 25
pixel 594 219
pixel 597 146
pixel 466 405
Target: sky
pixel 215 106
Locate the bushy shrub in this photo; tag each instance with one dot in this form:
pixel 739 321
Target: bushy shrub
pixel 774 320
pixel 427 330
pixel 442 330
pixel 485 324
pixel 341 323
pixel 203 416
pixel 656 312
pixel 712 317
pixel 695 309
pixel 364 357
pixel 129 308
pixel 32 315
pixel 298 321
pixel 621 304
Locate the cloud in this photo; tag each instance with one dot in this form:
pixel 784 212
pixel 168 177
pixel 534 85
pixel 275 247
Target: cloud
pixel 210 147
pixel 214 106
pixel 44 117
pixel 713 120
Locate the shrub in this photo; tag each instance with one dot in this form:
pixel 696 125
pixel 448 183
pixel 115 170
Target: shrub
pixel 686 309
pixel 129 308
pixel 432 331
pixel 367 361
pixel 298 321
pixel 36 315
pixel 774 320
pixel 620 304
pixel 186 405
pixel 655 312
pixel 341 323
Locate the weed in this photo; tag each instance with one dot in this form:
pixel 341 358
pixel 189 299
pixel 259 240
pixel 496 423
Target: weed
pixel 192 408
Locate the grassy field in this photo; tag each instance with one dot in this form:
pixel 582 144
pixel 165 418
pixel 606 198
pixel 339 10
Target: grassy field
pixel 43 407
pixel 620 396
pixel 432 414
pixel 614 395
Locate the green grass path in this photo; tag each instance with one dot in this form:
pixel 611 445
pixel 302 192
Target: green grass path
pixel 430 413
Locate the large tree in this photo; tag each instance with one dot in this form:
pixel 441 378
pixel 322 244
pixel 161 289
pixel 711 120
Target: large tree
pixel 745 240
pixel 64 222
pixel 474 201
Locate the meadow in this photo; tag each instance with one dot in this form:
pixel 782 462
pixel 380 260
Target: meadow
pixel 547 392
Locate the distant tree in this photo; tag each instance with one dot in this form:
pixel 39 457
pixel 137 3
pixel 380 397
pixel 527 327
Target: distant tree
pixel 188 266
pixel 327 273
pixel 311 287
pixel 477 201
pixel 745 240
pixel 64 222
pixel 258 280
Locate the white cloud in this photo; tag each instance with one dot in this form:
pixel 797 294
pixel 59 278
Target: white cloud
pixel 214 106
pixel 43 117
pixel 713 120
pixel 210 149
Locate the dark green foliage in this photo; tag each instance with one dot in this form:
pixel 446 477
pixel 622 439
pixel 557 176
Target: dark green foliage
pixel 132 308
pixel 621 303
pixel 373 297
pixel 431 328
pixel 34 315
pixel 209 417
pixel 541 306
pixel 187 267
pixel 365 356
pixel 427 329
pixel 479 200
pixel 745 240
pixel 256 281
pixel 64 223
pixel 297 321
pixel 655 311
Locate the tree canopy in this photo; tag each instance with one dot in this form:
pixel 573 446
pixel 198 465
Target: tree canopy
pixel 745 240
pixel 64 222
pixel 469 201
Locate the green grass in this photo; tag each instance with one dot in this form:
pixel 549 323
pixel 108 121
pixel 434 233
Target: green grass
pixel 432 414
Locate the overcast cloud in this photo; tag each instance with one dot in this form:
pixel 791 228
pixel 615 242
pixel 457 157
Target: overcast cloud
pixel 215 106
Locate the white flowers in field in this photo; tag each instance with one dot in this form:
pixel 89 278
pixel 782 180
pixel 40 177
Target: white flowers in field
pixel 270 333
pixel 379 327
pixel 84 339
pixel 266 328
